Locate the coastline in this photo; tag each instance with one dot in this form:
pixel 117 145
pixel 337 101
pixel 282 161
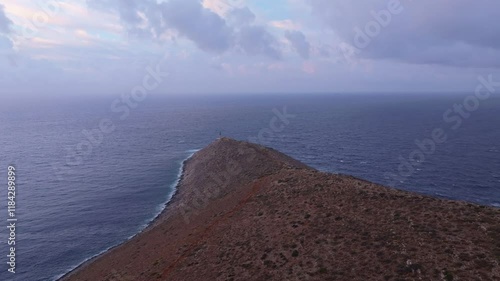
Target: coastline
pixel 169 208
pixel 275 218
pixel 146 227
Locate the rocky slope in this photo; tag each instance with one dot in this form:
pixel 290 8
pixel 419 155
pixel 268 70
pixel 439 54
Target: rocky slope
pixel 245 212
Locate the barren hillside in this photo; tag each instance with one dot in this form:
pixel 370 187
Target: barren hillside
pixel 245 212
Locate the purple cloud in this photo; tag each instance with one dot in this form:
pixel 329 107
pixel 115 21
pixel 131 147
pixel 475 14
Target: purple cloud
pixel 299 43
pixel 5 22
pixel 6 44
pixel 456 33
pixel 202 26
pixel 206 29
pixel 256 40
pixel 241 16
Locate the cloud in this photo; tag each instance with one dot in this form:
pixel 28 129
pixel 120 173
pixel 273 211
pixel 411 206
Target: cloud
pixel 5 44
pixel 241 16
pixel 141 19
pixel 299 43
pixel 208 30
pixel 5 22
pixel 222 7
pixel 256 40
pixel 202 26
pixel 454 33
pixel 285 24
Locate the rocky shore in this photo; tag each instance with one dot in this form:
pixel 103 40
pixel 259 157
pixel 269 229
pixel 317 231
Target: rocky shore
pixel 246 212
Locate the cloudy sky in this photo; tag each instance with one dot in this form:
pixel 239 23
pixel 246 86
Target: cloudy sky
pixel 70 47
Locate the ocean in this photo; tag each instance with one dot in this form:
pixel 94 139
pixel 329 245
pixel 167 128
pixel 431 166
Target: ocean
pixel 93 171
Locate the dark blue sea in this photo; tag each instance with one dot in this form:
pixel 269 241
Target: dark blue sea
pixel 81 190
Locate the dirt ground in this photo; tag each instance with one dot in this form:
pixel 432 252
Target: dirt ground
pixel 245 212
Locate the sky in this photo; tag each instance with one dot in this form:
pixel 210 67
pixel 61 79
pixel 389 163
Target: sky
pixel 63 47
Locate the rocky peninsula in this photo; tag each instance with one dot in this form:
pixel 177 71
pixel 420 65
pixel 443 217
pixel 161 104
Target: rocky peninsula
pixel 246 212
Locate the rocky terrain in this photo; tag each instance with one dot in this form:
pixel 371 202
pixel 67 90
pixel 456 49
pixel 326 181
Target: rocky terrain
pixel 245 212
